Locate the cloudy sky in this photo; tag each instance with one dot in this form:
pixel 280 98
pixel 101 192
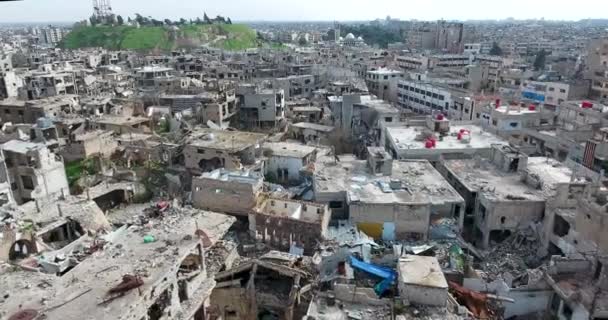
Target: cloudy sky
pixel 72 10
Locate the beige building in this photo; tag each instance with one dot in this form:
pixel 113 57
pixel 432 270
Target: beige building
pixel 209 149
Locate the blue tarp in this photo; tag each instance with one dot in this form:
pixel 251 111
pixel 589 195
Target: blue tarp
pixel 387 274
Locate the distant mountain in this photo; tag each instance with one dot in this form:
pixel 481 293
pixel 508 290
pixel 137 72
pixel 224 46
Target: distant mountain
pixel 225 36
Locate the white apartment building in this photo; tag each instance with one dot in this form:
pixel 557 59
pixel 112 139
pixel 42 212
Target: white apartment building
pixel 424 98
pixel 422 62
pixel 553 93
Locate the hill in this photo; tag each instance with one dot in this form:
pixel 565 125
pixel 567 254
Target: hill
pixel 225 36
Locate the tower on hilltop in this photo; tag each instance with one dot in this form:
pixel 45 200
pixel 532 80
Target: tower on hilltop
pixel 102 9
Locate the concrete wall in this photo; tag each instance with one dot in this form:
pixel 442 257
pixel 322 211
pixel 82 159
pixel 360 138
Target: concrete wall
pixel 293 166
pixel 423 295
pixel 193 155
pixel 408 219
pixel 225 196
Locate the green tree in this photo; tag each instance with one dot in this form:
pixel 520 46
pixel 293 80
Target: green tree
pixel 120 20
pixel 183 21
pixel 168 22
pixel 229 21
pixel 206 18
pixel 93 20
pixel 302 41
pixel 496 49
pixel 540 60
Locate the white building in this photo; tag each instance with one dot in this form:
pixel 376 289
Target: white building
pixel 423 98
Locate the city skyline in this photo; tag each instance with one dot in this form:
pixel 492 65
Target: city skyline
pixel 314 10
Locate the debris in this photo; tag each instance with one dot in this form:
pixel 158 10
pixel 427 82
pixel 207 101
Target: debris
pixel 149 239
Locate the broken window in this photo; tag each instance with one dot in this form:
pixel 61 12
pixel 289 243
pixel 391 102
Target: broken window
pixel 335 204
pixel 156 311
pixel 567 311
pixel 63 235
pixel 20 249
pixel 28 182
pixel 561 227
pixel 598 270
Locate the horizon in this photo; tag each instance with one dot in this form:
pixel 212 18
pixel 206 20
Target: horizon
pixel 36 11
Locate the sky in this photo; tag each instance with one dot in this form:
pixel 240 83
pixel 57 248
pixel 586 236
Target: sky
pixel 309 10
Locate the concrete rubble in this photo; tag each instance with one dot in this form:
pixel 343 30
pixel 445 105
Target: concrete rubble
pixel 315 176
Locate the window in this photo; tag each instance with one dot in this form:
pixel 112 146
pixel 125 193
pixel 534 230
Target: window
pixel 494 122
pixel 513 124
pixel 28 182
pixel 200 151
pixel 477 115
pixel 551 89
pixel 562 90
pixel 7 111
pixel 388 119
pixel 441 97
pixel 385 87
pixel 385 77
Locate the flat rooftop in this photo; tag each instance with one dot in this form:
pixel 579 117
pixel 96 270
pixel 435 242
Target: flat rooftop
pixel 120 120
pixel 289 149
pixel 404 138
pixel 231 141
pixel 515 110
pixel 483 176
pixel 421 271
pixel 420 182
pixel 235 176
pixel 313 126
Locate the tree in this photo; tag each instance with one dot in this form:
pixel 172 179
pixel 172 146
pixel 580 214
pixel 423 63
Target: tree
pixel 120 20
pixel 229 21
pixel 93 20
pixel 302 41
pixel 129 19
pixel 168 22
pixel 540 60
pixel 183 21
pixel 139 19
pixel 496 50
pixel 206 18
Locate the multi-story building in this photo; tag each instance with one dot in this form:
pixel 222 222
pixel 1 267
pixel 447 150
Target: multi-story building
pixel 423 97
pixel 44 84
pixel 553 93
pixel 260 107
pixel 449 36
pixel 34 172
pixel 597 62
pixel 383 83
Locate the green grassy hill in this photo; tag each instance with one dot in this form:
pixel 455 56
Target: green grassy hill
pixel 226 36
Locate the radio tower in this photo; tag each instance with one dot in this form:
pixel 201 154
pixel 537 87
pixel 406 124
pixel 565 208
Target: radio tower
pixel 102 9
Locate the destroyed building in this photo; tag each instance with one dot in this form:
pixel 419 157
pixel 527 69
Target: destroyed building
pixel 507 192
pixel 386 199
pixel 257 289
pixel 208 149
pixel 232 192
pixel 34 171
pixel 290 225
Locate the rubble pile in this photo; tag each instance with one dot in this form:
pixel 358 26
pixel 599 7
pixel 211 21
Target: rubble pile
pixel 513 256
